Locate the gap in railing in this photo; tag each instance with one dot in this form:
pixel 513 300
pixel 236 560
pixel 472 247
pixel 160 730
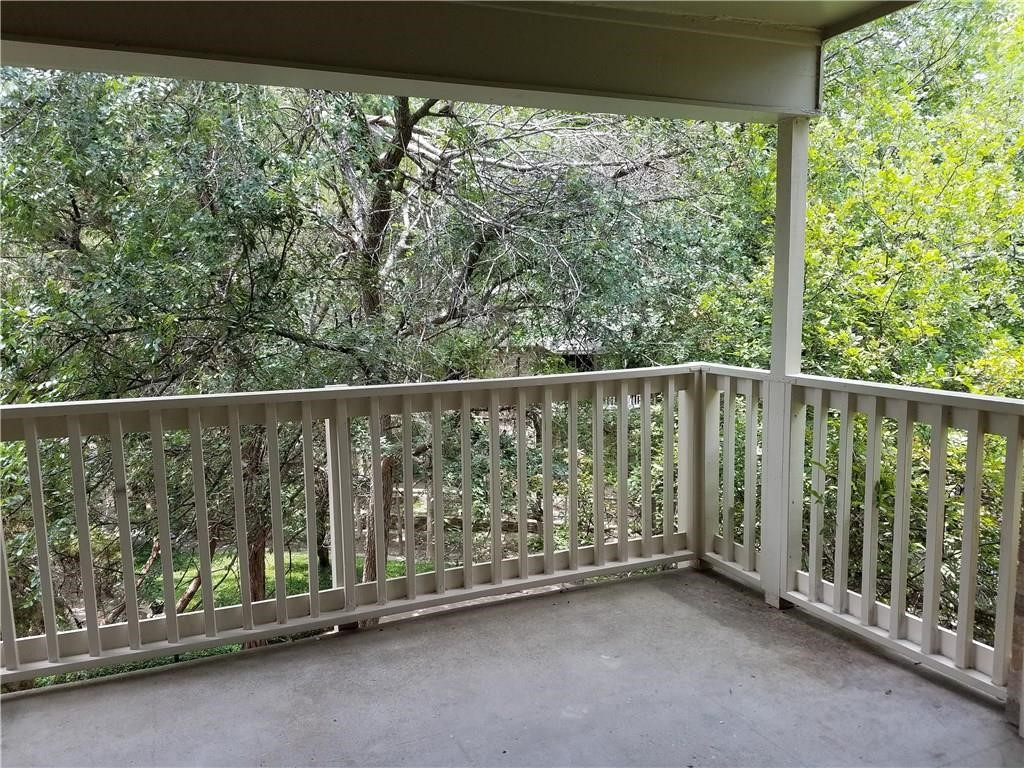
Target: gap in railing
pixel 917 539
pixel 956 479
pixel 830 529
pixel 809 491
pixel 855 530
pixel 990 525
pixel 885 525
pixel 720 489
pixel 747 458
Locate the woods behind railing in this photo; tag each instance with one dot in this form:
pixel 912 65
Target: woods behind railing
pixel 157 515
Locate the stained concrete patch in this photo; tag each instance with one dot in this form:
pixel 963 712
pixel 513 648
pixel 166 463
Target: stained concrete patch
pixel 675 669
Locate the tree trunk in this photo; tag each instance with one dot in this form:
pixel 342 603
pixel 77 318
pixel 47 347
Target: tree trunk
pixel 387 480
pixel 193 587
pixel 323 557
pixel 387 474
pixel 428 539
pixel 123 607
pixel 258 564
pixel 257 556
pixel 323 516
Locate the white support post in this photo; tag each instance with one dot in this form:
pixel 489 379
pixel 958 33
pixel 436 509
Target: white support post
pixel 783 429
pixel 790 223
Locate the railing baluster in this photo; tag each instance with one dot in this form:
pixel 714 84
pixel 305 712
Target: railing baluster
pixel 845 405
pixel 901 523
pixel 819 399
pixel 748 389
pixel 494 446
pixel 622 457
pixel 334 502
pixel 309 494
pixel 869 562
pixel 521 484
pixel 7 626
pixel 346 532
pixel 729 474
pixel 684 446
pixel 547 483
pixel 124 529
pixel 241 534
pixel 598 437
pixel 647 548
pixel 380 522
pixel 84 539
pixel 1009 531
pixel 202 522
pixel 686 464
pixel 163 521
pixel 572 456
pixel 438 478
pixel 964 657
pixel 668 528
pixel 935 536
pixel 408 483
pixel 687 515
pixel 35 480
pixel 276 515
pixel 466 434
pixel 712 457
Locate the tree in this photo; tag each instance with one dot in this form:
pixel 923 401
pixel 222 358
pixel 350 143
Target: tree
pixel 167 237
pixel 172 237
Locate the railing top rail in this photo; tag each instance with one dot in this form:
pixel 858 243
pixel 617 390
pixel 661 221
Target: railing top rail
pixel 991 404
pixel 23 411
pixel 19 413
pixel 758 374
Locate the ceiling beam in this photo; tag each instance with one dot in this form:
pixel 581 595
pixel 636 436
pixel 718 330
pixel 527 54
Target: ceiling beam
pixel 526 54
pixel 876 11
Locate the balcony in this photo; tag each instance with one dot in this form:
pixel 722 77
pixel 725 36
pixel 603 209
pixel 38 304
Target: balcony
pixel 676 668
pixel 698 469
pixel 887 518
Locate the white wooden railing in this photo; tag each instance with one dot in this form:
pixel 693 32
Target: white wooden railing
pixel 625 539
pixel 916 427
pixel 750 475
pixel 923 424
pixel 728 513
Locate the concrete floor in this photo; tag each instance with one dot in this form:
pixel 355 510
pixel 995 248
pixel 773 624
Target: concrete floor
pixel 676 669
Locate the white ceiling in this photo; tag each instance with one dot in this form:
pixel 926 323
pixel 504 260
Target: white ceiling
pixel 801 14
pixel 742 61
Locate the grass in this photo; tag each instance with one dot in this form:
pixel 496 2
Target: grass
pixel 225 576
pixel 117 669
pixel 226 592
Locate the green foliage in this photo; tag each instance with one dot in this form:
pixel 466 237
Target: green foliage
pixel 165 237
pixel 915 216
pixel 224 568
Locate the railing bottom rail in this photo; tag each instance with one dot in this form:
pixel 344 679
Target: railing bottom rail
pixel 299 620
